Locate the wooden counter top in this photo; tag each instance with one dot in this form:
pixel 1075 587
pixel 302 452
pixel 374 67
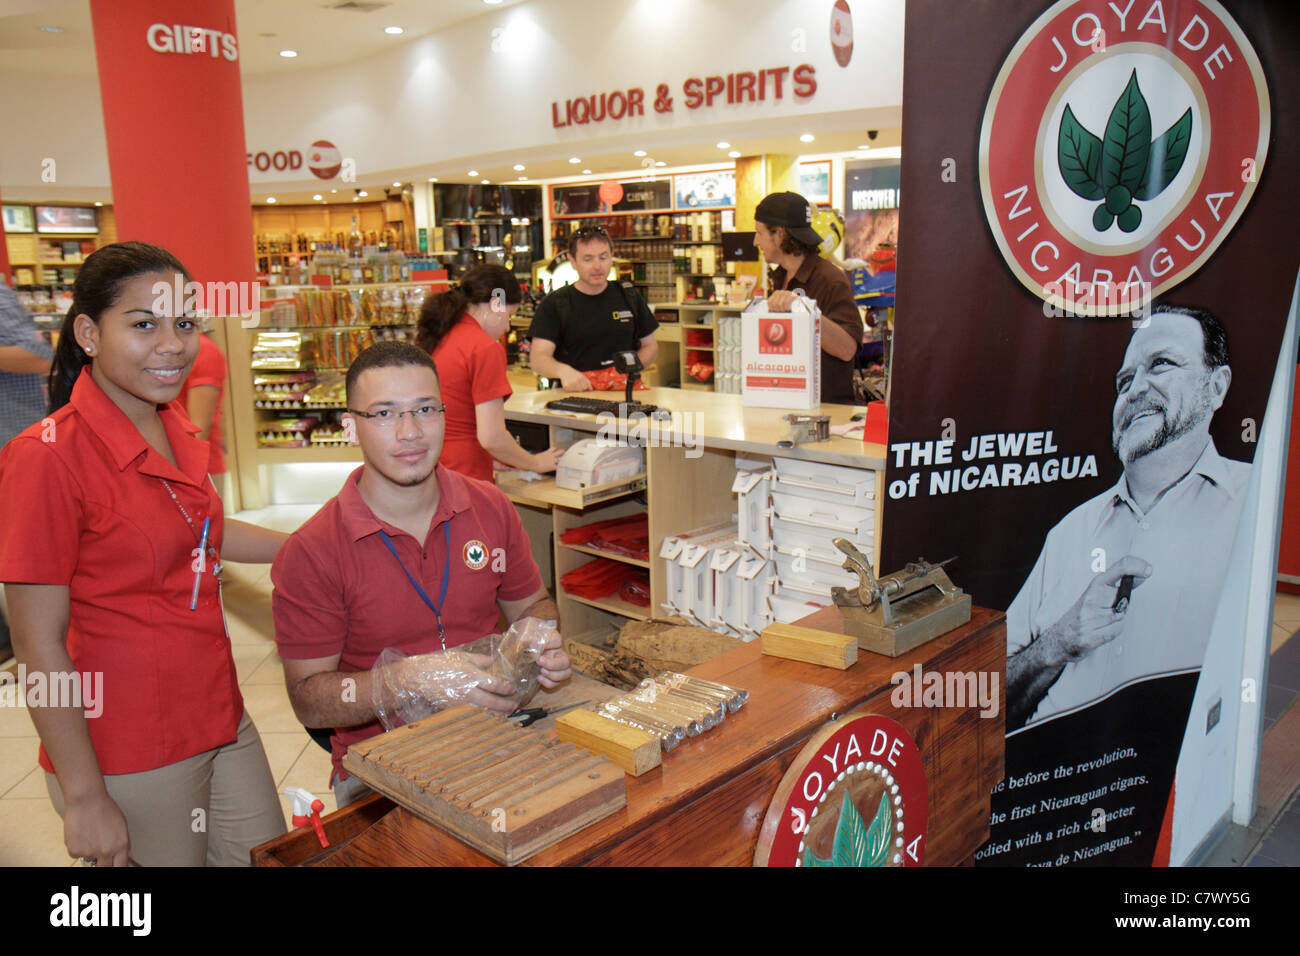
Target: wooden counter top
pixel 705 804
pixel 719 421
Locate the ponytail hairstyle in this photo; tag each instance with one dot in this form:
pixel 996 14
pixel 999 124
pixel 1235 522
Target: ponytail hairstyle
pixel 98 287
pixel 477 286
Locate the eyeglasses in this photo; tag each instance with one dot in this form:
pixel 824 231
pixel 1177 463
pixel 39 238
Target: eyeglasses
pixel 590 232
pixel 388 417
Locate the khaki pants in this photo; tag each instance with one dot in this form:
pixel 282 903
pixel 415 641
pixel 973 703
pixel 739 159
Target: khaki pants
pixel 210 809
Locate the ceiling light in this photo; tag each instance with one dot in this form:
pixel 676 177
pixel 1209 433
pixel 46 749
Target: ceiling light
pixel 99 204
pixel 519 167
pixel 724 146
pixel 362 193
pixel 433 179
pixel 356 199
pixel 317 197
pixel 473 172
pixel 333 190
pixel 50 29
pixel 393 31
pixel 288 54
pixel 485 182
pixel 270 199
pixel 491 3
pixel 397 185
pixel 639 152
pixel 864 146
pixel 660 162
pixel 586 172
pixel 806 138
pixel 575 160
pixel 734 154
pixel 523 179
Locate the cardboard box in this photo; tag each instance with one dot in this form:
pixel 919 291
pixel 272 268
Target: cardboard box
pixel 780 356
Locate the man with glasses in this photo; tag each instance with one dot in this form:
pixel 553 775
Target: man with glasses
pixel 578 328
pixel 409 555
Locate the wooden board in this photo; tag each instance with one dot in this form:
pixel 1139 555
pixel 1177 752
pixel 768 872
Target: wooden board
pixel 508 791
pixel 813 647
pixel 634 750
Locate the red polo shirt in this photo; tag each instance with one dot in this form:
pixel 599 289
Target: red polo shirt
pixel 338 589
pixel 209 369
pixel 83 504
pixel 471 370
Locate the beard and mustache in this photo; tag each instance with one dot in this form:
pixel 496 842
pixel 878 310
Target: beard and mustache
pixel 1170 430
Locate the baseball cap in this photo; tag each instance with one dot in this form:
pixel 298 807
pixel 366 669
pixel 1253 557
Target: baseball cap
pixel 791 211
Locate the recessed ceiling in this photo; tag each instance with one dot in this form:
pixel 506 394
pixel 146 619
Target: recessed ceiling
pixel 323 32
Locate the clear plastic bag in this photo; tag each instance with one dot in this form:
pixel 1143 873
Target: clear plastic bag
pixel 515 654
pixel 405 689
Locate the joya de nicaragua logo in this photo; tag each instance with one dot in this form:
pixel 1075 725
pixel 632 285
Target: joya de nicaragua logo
pixel 1095 208
pixel 854 796
pixel 1124 166
pixel 856 843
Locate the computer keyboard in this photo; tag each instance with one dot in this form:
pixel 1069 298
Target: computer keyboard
pixel 599 406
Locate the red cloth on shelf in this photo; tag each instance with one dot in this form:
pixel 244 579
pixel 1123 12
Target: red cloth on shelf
pixel 628 536
pixel 603 578
pixel 636 590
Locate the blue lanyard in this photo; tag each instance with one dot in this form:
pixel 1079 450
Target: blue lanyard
pixel 446 574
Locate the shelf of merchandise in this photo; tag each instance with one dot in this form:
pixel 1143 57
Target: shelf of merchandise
pixel 664 223
pixel 244 415
pixel 25 251
pixel 674 338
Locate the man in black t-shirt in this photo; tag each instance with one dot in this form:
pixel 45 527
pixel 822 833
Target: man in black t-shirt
pixel 578 328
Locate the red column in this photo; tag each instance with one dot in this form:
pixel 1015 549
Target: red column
pixel 174 123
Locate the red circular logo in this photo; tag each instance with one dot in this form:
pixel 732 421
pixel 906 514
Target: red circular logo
pixel 855 796
pixel 842 32
pixel 324 160
pixel 1118 149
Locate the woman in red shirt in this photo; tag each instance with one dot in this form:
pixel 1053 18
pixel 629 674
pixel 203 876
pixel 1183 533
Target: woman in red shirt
pixel 111 538
pixel 461 329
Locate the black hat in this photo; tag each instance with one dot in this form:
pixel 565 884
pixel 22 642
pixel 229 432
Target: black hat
pixel 791 211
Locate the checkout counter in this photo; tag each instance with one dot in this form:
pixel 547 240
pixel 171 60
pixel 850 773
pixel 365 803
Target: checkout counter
pixel 705 804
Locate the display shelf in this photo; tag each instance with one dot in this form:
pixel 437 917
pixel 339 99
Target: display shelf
pixel 546 490
pixel 614 605
pixel 596 552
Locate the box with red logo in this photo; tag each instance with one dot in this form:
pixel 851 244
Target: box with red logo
pixel 780 356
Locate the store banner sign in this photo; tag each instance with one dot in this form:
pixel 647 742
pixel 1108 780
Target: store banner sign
pixel 770 85
pixel 1090 309
pixel 706 190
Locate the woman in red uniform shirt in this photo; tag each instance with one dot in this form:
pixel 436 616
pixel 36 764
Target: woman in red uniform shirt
pixel 462 329
pixel 149 755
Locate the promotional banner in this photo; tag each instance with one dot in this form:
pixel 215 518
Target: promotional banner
pixel 1088 323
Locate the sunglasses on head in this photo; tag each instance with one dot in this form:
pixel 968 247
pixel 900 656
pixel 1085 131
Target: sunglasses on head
pixel 590 232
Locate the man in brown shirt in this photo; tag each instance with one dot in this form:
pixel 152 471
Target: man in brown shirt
pixel 784 235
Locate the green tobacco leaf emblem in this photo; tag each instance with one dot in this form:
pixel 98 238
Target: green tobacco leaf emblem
pixel 1123 165
pixel 856 844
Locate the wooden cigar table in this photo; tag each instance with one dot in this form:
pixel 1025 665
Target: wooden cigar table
pixel 705 805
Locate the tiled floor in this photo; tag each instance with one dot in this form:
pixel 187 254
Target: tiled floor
pixel 31 833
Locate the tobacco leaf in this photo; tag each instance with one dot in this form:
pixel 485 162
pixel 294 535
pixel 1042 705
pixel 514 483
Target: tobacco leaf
pixel 1078 153
pixel 1127 142
pixel 1166 158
